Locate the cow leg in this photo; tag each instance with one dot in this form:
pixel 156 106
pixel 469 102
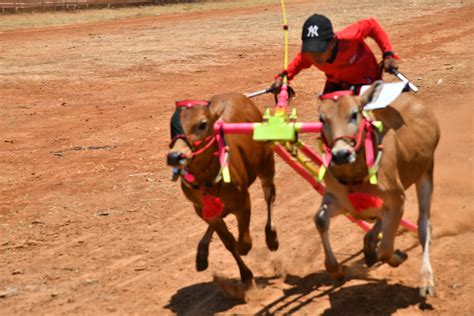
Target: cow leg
pixel 370 244
pixel 327 210
pixel 244 243
pixel 270 232
pixel 203 250
pixel 390 223
pixel 424 190
pixel 229 242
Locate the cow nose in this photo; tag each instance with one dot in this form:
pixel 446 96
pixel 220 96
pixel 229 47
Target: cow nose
pixel 174 158
pixel 341 157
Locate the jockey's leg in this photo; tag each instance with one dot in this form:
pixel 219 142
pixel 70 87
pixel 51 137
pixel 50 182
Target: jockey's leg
pixel 331 87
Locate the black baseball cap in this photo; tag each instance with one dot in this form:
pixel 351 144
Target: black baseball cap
pixel 317 33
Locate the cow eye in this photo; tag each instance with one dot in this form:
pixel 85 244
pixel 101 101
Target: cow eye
pixel 202 126
pixel 353 117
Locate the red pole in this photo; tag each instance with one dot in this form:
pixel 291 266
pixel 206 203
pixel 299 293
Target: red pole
pixel 409 225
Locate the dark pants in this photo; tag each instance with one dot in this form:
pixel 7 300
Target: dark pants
pixel 176 127
pixel 340 86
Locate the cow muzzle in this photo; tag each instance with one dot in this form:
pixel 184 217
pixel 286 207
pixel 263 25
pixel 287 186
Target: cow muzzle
pixel 176 159
pixel 343 156
pixel 179 154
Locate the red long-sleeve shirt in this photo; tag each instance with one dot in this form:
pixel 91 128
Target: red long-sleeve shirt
pixel 355 63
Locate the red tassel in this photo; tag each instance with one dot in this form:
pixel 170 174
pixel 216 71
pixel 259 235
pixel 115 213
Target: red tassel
pixel 213 207
pixel 363 201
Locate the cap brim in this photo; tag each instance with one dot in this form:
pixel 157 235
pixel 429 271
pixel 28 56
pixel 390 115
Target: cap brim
pixel 314 46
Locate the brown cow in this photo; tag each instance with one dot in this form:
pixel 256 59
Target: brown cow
pixel 248 160
pixel 410 136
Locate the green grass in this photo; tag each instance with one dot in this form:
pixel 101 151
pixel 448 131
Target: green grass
pixel 27 20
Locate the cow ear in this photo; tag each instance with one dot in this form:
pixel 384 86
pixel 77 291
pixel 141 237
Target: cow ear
pixel 371 94
pixel 213 114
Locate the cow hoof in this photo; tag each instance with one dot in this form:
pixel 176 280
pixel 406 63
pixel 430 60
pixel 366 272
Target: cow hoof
pixel 201 264
pixel 273 245
pixel 271 239
pixel 370 249
pixel 370 258
pixel 398 258
pixel 243 248
pixel 201 257
pixel 427 290
pixel 337 275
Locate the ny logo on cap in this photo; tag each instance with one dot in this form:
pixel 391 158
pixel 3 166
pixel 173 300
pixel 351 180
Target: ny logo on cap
pixel 313 31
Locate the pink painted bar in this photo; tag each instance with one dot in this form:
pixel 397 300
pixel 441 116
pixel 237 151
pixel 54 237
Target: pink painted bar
pixel 369 148
pixel 409 225
pixel 309 127
pixel 221 144
pixel 247 128
pixel 283 97
pixel 235 128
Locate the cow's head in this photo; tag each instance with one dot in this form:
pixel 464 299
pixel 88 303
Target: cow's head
pixel 343 122
pixel 197 132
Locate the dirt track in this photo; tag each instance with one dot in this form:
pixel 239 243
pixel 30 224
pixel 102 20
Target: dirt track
pixel 91 224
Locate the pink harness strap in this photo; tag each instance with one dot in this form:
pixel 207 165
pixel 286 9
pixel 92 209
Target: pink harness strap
pixel 210 140
pixel 179 136
pixel 191 103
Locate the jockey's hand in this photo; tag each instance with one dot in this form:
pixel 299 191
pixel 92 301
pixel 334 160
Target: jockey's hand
pixel 291 92
pixel 276 85
pixel 388 63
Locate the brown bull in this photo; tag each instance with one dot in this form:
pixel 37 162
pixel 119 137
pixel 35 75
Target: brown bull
pixel 248 160
pixel 410 136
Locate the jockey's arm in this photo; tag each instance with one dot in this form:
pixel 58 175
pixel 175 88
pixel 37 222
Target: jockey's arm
pixel 371 28
pixel 297 64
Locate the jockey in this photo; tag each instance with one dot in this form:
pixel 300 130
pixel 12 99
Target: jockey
pixel 344 57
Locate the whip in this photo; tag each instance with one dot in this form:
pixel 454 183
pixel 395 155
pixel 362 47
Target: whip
pixel 402 77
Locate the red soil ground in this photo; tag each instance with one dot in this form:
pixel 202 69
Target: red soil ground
pixel 91 224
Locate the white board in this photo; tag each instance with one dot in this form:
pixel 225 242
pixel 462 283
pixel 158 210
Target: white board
pixel 390 91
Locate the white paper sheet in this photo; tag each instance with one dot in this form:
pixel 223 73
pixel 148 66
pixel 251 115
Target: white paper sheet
pixel 390 91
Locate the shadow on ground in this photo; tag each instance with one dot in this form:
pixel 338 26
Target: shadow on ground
pixel 200 299
pixel 377 298
pixel 207 299
pixel 373 298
